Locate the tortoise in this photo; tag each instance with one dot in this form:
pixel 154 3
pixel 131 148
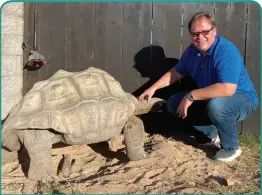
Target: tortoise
pixel 75 108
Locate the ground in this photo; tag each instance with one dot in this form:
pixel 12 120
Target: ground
pixel 171 167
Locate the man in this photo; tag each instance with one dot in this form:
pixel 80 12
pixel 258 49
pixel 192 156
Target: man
pixel 224 94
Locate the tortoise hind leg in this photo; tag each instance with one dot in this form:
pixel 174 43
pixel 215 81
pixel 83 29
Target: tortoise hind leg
pixel 134 138
pixel 38 143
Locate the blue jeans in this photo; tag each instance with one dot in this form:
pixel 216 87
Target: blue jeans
pixel 219 114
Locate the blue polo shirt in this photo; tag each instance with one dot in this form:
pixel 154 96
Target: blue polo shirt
pixel 223 63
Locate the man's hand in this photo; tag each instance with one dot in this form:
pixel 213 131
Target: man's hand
pixel 183 107
pixel 167 79
pixel 147 94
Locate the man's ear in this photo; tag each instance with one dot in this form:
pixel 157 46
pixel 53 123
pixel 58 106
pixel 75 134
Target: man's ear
pixel 215 31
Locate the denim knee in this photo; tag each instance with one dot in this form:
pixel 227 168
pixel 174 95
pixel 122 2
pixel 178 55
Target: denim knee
pixel 174 101
pixel 216 109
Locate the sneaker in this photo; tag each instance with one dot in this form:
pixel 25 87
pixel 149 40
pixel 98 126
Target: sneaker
pixel 214 136
pixel 228 155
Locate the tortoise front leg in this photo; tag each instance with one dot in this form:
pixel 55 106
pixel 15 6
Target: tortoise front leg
pixel 134 138
pixel 8 157
pixel 38 144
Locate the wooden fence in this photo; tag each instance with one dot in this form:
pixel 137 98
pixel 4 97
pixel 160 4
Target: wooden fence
pixel 117 36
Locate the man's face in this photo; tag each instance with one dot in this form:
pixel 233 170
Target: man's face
pixel 203 34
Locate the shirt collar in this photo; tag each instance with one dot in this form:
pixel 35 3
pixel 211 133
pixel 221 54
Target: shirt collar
pixel 210 50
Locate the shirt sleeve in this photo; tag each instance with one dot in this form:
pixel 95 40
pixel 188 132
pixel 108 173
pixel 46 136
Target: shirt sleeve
pixel 229 66
pixel 181 66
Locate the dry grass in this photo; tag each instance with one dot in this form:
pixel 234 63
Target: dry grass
pixel 246 169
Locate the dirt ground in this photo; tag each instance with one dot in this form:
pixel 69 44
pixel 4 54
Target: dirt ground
pixel 171 167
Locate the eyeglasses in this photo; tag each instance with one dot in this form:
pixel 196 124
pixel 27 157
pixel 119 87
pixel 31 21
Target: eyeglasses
pixel 203 32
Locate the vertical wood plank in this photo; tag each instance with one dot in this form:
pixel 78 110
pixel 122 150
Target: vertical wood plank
pixel 51 37
pixel 253 52
pixel 80 35
pixel 108 39
pixel 167 18
pixel 221 10
pixel 189 9
pixel 29 77
pixel 145 31
pixel 145 24
pixel 205 7
pixel 134 37
pixel 231 21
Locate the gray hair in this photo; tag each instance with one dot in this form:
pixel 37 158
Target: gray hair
pixel 199 15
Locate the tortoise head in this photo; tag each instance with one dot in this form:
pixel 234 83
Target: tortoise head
pixel 153 105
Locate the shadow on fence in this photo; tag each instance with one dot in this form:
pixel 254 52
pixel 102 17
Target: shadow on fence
pixel 151 62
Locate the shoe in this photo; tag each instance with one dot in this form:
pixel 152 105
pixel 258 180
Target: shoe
pixel 228 155
pixel 210 142
pixel 214 136
pixel 213 139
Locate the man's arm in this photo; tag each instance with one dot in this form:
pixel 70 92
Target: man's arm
pixel 212 91
pixel 215 90
pixel 167 79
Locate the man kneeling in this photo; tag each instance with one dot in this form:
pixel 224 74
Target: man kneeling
pixel 225 93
